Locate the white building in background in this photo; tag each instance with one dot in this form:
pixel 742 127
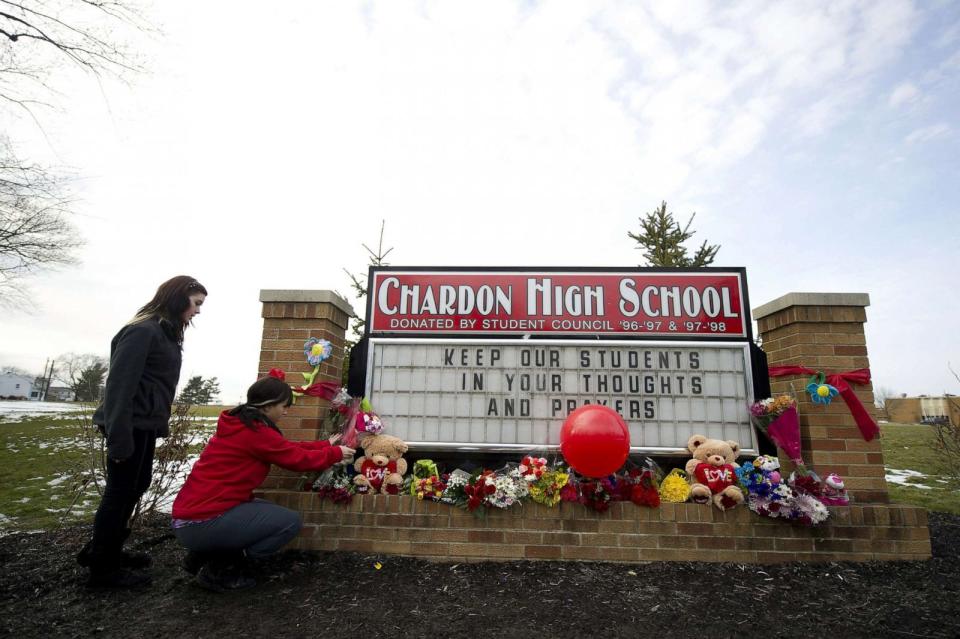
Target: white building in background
pixel 60 394
pixel 15 386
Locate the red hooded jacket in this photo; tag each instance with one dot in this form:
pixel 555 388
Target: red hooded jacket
pixel 237 459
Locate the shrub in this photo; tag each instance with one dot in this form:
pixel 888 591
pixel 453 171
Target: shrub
pixel 172 460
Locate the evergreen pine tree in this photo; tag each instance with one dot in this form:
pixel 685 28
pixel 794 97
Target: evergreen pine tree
pixel 661 239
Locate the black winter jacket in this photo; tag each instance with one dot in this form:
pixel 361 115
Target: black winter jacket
pixel 145 363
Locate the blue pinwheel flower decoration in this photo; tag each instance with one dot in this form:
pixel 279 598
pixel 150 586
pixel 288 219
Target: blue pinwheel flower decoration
pixel 316 350
pixel 820 391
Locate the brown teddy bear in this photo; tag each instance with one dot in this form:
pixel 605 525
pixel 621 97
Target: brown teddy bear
pixel 381 467
pixel 713 471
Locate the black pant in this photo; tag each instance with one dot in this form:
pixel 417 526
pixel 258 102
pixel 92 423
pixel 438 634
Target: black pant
pixel 126 482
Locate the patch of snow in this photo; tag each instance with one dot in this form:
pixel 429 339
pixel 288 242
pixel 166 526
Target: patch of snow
pixel 902 477
pixel 59 479
pixel 13 410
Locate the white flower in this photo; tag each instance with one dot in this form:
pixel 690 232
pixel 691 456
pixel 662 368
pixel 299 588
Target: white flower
pixel 508 489
pixel 812 507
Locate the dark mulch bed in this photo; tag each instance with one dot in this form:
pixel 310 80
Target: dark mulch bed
pixel 344 595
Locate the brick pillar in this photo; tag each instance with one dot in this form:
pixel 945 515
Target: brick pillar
pixel 289 319
pixel 824 332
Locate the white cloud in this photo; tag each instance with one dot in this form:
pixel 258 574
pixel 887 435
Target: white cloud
pixel 904 93
pixel 928 133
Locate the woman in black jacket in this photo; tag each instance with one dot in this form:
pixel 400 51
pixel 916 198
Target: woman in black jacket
pixel 145 358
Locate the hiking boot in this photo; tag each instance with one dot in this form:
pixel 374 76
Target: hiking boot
pixel 117 578
pixel 136 560
pixel 194 561
pixel 223 576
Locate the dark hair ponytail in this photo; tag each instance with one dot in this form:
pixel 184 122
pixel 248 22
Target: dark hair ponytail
pixel 264 392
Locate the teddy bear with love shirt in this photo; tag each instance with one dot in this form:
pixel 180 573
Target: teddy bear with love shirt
pixel 712 472
pixel 381 467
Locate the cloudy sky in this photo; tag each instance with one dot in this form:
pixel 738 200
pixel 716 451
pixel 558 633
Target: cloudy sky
pixel 816 142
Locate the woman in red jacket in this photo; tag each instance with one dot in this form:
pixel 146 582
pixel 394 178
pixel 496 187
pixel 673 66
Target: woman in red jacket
pixel 215 515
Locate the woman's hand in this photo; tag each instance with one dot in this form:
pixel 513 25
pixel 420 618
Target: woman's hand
pixel 334 438
pixel 347 454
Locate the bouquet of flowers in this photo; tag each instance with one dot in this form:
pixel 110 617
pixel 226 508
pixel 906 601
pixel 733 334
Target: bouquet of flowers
pixel 334 484
pixel 469 491
pixel 359 419
pixel 644 491
pixel 596 493
pixel 432 488
pixel 570 492
pixel 808 510
pixel 532 468
pixel 759 480
pixel 510 486
pixel 769 496
pixel 640 484
pixel 675 488
pixel 453 490
pixel 777 418
pixel 547 488
pixel 478 490
pixel 806 481
pixel 341 411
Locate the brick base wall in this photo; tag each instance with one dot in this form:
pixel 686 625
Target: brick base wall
pixel 391 525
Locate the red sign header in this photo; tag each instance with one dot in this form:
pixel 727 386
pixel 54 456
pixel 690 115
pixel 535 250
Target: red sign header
pixel 645 302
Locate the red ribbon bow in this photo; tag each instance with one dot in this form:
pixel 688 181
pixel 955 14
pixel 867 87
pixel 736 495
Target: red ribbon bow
pixel 868 427
pixel 324 390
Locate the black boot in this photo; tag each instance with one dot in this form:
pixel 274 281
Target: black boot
pixel 136 560
pixel 106 570
pixel 117 578
pixel 194 561
pixel 130 559
pixel 224 573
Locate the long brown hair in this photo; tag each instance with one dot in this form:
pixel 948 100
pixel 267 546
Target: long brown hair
pixel 168 304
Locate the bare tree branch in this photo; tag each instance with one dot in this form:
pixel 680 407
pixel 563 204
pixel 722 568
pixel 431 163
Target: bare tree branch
pixel 34 231
pixel 36 37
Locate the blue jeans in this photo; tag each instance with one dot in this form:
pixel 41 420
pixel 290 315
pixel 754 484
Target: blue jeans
pixel 258 527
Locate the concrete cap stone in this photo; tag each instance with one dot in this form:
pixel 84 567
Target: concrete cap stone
pixel 811 299
pixel 302 295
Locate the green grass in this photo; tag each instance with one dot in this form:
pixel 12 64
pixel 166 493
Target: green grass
pixel 910 447
pixel 40 461
pixel 36 456
pixel 212 410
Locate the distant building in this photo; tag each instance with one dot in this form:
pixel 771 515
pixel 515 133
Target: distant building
pixel 13 386
pixel 923 409
pixel 60 394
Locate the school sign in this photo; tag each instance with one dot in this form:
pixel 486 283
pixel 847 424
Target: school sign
pixel 495 359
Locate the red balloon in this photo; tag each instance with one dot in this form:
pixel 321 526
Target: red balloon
pixel 595 440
